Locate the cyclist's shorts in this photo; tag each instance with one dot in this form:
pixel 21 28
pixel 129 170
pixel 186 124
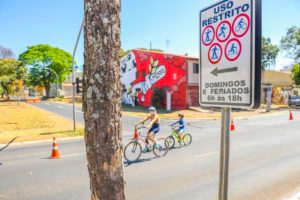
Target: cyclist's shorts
pixel 154 128
pixel 180 130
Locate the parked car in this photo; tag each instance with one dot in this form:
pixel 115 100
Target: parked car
pixel 294 101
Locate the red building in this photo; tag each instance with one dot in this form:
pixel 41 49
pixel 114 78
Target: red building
pixel 144 70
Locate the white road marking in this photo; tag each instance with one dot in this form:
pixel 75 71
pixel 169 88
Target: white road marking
pixel 60 106
pixel 48 104
pixel 217 152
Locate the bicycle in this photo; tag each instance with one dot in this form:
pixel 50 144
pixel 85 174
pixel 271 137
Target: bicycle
pixel 241 26
pixel 187 138
pixel 133 150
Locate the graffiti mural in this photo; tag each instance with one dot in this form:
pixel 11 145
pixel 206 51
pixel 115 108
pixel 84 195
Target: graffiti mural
pixel 143 70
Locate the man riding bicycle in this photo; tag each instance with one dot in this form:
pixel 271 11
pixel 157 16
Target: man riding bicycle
pixel 153 126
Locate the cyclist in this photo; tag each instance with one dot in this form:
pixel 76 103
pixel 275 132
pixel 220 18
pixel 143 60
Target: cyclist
pixel 180 128
pixel 153 126
pixel 241 24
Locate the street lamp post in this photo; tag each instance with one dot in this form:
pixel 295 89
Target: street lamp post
pixel 57 79
pixel 73 77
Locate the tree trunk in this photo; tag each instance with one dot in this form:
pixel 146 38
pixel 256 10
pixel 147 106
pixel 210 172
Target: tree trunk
pixel 47 88
pixel 102 99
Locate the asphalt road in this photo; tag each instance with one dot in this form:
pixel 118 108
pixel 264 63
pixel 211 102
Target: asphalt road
pixel 264 165
pixel 66 110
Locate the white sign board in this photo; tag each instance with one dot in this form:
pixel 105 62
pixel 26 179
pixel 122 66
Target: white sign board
pixel 229 54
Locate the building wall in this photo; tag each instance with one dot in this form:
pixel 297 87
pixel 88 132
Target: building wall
pixel 193 73
pixel 193 82
pixel 277 78
pixel 141 71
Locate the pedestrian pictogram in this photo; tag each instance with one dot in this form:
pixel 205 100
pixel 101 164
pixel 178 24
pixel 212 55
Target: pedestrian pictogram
pixel 223 31
pixel 208 35
pixel 215 53
pixel 241 25
pixel 233 49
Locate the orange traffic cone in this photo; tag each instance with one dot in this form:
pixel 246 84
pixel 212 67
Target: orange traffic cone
pixel 291 115
pixel 135 135
pixel 232 127
pixel 55 152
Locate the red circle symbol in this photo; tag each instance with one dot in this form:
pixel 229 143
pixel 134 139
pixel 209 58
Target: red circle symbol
pixel 242 27
pixel 234 52
pixel 206 40
pixel 212 53
pixel 223 25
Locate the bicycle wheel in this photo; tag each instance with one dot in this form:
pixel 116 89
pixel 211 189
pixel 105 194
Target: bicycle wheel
pixel 171 141
pixel 162 147
pixel 244 26
pixel 187 139
pixel 132 151
pixel 237 29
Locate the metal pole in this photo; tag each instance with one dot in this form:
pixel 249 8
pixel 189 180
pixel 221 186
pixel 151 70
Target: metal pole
pixel 73 77
pixel 224 153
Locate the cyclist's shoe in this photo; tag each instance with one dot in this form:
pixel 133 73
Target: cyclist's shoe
pixel 180 142
pixel 157 145
pixel 145 150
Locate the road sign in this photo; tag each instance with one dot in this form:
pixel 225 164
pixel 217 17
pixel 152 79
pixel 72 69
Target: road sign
pixel 230 54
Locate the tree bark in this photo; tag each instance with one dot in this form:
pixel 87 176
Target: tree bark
pixel 102 99
pixel 47 88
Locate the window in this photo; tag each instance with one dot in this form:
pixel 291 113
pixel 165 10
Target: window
pixel 195 68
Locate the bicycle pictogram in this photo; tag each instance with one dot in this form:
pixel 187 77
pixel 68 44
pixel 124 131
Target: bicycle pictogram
pixel 241 25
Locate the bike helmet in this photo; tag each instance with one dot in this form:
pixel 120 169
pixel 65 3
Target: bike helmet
pixel 151 108
pixel 180 114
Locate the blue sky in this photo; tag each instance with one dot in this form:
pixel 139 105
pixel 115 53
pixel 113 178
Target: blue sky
pixel 56 22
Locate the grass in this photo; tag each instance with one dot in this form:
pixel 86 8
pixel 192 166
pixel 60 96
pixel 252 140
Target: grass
pixel 29 123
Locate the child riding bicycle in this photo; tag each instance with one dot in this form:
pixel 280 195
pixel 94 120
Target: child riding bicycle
pixel 153 127
pixel 180 128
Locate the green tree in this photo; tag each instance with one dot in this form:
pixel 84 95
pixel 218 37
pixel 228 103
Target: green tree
pixel 40 58
pixel 10 71
pixel 123 53
pixel 269 53
pixel 291 43
pixel 296 74
pixel 158 50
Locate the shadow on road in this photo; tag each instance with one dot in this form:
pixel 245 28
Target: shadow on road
pixel 126 163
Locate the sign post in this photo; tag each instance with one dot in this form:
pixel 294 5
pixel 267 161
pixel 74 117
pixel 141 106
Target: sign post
pixel 230 65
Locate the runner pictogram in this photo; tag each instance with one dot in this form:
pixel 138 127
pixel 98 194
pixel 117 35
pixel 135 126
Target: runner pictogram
pixel 241 25
pixel 233 49
pixel 208 35
pixel 223 31
pixel 215 53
